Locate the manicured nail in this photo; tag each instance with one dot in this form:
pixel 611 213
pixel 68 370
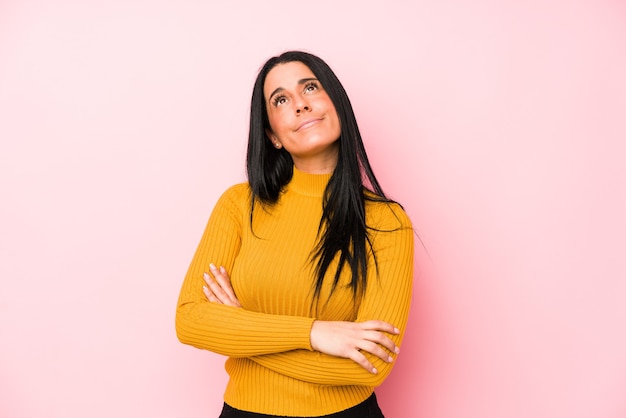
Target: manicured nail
pixel 206 289
pixel 212 267
pixel 222 270
pixel 374 371
pixel 397 350
pixel 389 359
pixel 396 330
pixel 205 275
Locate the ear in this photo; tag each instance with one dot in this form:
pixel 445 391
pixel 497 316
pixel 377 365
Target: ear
pixel 274 139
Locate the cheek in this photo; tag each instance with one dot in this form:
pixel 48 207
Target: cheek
pixel 276 119
pixel 331 110
pixel 336 120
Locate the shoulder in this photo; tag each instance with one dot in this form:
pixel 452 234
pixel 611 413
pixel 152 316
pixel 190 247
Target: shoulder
pixel 237 191
pixel 386 216
pixel 389 229
pixel 235 198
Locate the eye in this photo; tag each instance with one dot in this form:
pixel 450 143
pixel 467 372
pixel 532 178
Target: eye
pixel 279 100
pixel 310 86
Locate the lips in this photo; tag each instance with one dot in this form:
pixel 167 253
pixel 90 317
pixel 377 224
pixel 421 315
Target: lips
pixel 307 123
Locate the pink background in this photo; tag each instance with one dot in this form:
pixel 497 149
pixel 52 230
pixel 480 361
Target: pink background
pixel 499 125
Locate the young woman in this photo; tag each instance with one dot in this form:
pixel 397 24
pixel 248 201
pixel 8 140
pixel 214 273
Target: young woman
pixel 303 275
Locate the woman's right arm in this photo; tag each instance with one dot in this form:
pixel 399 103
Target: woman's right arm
pixel 224 329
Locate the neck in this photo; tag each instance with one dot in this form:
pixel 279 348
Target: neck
pixel 319 164
pixel 308 183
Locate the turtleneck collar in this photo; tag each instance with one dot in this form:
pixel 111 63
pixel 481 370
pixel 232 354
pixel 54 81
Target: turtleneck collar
pixel 308 184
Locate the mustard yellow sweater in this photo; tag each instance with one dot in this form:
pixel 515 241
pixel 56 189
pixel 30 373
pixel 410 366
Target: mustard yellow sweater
pixel 272 367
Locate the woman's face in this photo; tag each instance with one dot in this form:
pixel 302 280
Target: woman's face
pixel 302 117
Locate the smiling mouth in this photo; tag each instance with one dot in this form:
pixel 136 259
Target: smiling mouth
pixel 308 123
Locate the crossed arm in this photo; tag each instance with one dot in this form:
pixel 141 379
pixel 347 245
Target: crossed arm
pixel 328 352
pixel 342 339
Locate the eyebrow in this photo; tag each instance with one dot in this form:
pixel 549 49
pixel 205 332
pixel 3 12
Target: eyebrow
pixel 300 82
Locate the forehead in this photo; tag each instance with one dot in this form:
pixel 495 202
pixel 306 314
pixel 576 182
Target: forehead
pixel 286 76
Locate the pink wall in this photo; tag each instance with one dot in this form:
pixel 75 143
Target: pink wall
pixel 499 125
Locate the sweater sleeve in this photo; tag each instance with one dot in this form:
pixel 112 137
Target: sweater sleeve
pixel 226 330
pixel 388 298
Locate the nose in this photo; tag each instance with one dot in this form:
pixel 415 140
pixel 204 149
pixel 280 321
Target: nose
pixel 302 106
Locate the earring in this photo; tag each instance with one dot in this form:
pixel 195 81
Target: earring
pixel 277 145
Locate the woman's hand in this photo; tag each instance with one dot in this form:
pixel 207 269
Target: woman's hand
pixel 218 288
pixel 348 339
pixel 336 338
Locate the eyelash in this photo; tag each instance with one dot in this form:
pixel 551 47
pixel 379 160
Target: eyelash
pixel 277 99
pixel 310 84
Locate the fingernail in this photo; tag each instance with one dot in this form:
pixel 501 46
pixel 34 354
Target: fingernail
pixel 212 266
pixel 205 275
pixel 374 371
pixel 206 289
pixel 396 330
pixel 397 350
pixel 222 269
pixel 389 359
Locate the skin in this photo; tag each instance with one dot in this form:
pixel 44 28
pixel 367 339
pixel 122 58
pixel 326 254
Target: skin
pixel 303 120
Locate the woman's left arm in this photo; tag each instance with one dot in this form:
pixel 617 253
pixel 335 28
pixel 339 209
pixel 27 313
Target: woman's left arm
pixel 388 299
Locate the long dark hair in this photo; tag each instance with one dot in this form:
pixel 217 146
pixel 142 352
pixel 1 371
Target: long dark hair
pixel 342 230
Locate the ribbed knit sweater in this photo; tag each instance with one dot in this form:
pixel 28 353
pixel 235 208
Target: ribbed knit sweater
pixel 272 367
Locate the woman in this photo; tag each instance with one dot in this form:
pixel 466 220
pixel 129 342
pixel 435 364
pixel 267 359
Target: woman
pixel 303 274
